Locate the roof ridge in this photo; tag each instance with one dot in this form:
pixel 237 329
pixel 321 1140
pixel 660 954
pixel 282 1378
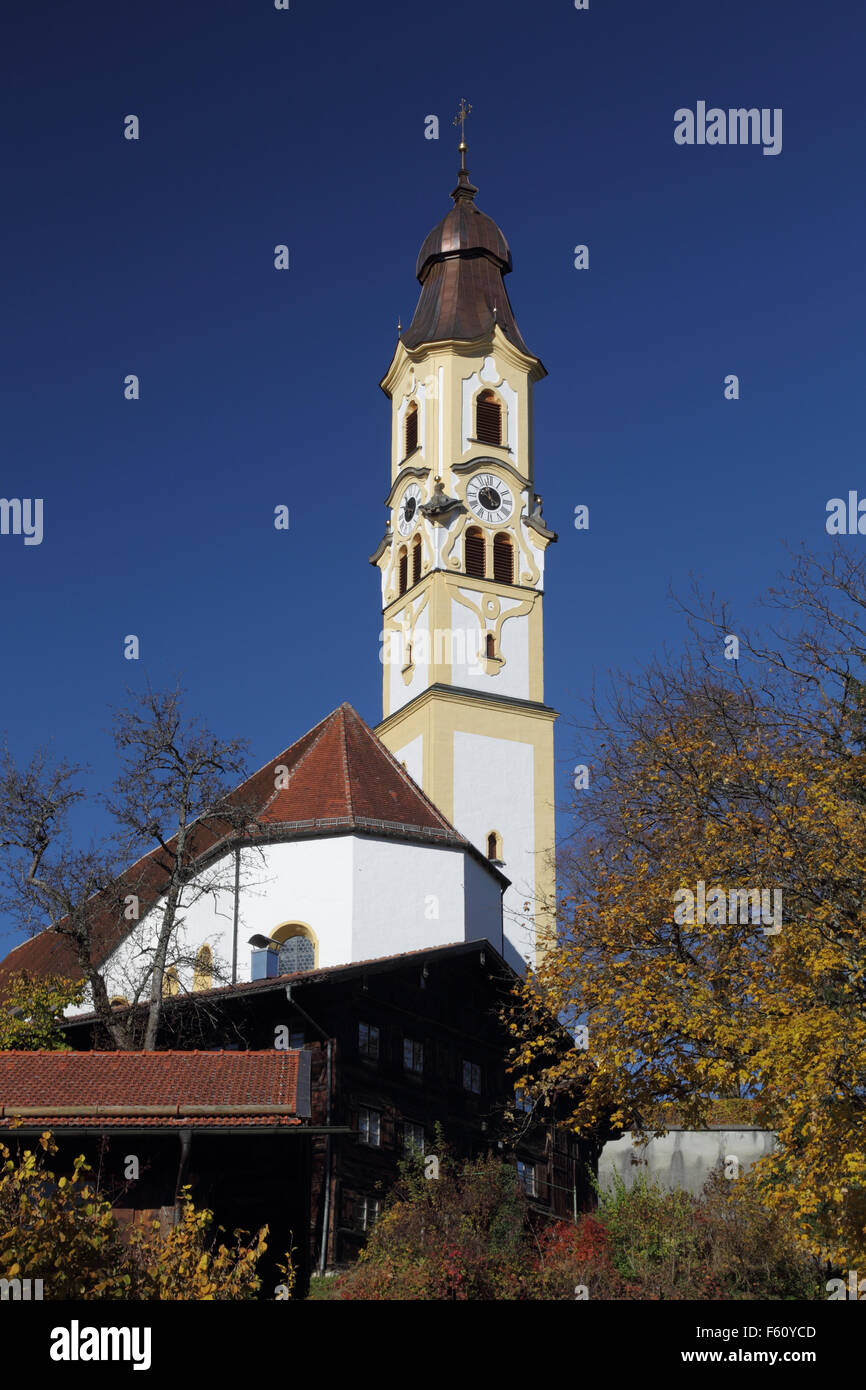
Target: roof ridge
pixel 344 739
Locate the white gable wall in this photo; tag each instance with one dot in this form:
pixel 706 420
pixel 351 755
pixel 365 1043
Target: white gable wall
pixel 363 898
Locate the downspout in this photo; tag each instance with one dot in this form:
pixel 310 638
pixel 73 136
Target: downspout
pixel 326 1214
pixel 326 1206
pixel 237 907
pixel 185 1146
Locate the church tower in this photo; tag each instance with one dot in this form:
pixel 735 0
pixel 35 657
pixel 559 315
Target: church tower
pixel 462 565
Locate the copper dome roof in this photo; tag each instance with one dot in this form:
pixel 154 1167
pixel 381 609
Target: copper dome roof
pixel 460 267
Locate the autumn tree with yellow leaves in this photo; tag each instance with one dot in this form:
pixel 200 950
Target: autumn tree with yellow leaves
pixel 32 1012
pixel 716 781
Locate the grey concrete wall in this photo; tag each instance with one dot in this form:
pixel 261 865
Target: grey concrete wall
pixel 683 1157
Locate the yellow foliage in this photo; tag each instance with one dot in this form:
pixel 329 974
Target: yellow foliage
pixel 716 789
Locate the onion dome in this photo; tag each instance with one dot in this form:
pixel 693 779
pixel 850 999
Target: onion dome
pixel 460 267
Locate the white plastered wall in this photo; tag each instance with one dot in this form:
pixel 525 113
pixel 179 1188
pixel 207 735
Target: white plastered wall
pixel 467 670
pixel 363 897
pixel 412 756
pixel 493 790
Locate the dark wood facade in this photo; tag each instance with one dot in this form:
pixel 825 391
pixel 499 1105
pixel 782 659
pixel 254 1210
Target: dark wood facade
pixel 410 1042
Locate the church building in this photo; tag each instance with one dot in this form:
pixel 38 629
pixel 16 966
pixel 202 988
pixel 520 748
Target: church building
pixel 387 887
pixel 439 827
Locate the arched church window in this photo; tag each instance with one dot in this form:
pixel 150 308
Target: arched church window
pixel 503 559
pixel 475 559
pixel 410 439
pixel 416 559
pixel 488 418
pixel 202 975
pixel 403 570
pixel 298 947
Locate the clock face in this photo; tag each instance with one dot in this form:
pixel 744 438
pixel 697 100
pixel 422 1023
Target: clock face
pixel 489 497
pixel 407 512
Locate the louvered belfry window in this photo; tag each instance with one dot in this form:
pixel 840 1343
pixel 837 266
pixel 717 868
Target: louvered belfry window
pixel 411 440
pixel 488 419
pixel 503 559
pixel 403 569
pixel 475 552
pixel 416 560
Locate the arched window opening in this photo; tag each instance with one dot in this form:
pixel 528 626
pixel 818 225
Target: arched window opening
pixel 494 845
pixel 403 569
pixel 410 433
pixel 503 559
pixel 488 419
pixel 475 561
pixel 416 559
pixel 298 948
pixel 491 644
pixel 202 975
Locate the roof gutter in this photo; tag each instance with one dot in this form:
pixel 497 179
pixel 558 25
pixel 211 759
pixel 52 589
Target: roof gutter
pixel 132 1111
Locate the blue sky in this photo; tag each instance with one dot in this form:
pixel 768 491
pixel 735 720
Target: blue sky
pixel 306 127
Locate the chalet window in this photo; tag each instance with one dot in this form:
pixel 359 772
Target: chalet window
pixel 488 419
pixel 403 568
pixel 368 1041
pixel 416 560
pixel 413 1056
pixel 503 559
pixel 526 1178
pixel 475 561
pixel 367 1211
pixel 413 1136
pixel 202 975
pixel 472 1077
pixel 410 440
pixel 370 1126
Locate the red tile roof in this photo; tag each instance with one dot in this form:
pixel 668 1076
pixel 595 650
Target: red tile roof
pixel 339 777
pixel 165 1089
pixel 341 769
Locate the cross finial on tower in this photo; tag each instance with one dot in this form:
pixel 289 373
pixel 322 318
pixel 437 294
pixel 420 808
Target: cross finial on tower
pixel 460 119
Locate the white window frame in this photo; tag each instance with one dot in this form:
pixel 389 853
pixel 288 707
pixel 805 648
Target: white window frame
pixel 527 1176
pixel 370 1126
pixel 413 1141
pixel 367 1212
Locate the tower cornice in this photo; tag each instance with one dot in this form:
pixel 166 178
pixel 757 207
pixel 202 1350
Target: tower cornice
pixel 494 342
pixel 454 694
